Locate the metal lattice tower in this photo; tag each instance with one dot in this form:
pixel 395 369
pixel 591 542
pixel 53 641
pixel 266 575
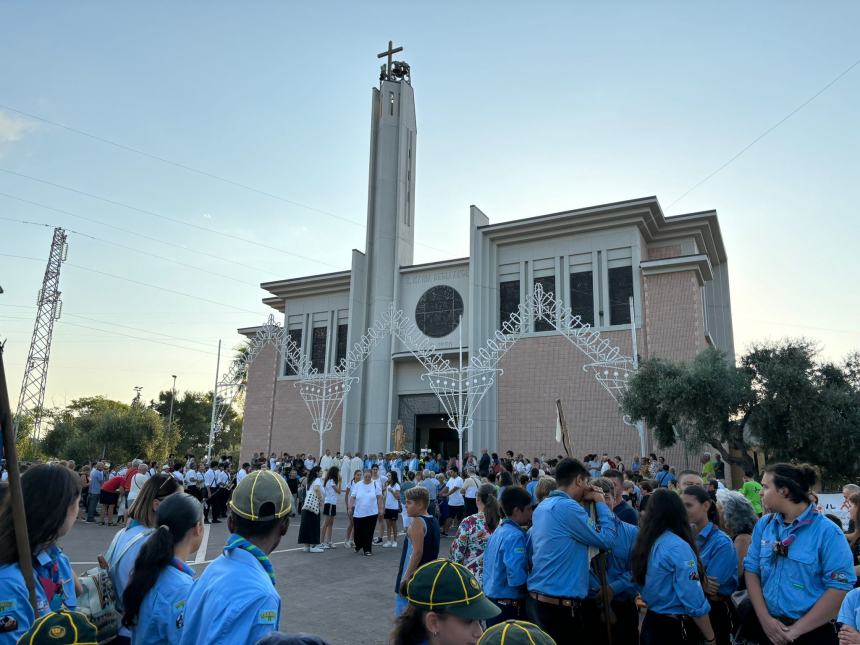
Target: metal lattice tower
pixel 48 310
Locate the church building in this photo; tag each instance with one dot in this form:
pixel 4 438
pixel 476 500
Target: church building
pixel 594 258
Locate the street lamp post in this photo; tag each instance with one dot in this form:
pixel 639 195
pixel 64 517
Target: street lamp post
pixel 172 398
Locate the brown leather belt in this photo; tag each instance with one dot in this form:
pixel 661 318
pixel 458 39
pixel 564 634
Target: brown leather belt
pixel 553 600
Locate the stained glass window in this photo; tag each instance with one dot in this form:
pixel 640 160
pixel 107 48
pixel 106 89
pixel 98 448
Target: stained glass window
pixel 340 348
pixel 318 345
pixel 582 296
pixel 509 299
pixel 620 291
pixel 296 337
pixel 548 284
pixel 438 311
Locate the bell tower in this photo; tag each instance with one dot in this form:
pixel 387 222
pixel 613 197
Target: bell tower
pixel 389 245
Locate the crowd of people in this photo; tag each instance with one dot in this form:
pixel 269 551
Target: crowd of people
pixel 553 550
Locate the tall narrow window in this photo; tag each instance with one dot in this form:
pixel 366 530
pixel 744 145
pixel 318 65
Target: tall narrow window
pixel 582 287
pixel 620 282
pixel 295 336
pixel 509 299
pixel 548 284
pixel 318 347
pixel 407 214
pixel 340 350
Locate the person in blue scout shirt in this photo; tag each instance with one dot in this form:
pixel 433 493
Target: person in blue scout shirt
pixel 128 541
pixel 155 595
pixel 558 548
pixel 506 566
pixel 666 567
pixel 848 619
pixel 719 559
pixel 619 578
pixel 235 599
pixel 51 497
pixel 798 567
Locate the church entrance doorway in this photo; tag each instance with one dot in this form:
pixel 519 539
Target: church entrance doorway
pixel 432 431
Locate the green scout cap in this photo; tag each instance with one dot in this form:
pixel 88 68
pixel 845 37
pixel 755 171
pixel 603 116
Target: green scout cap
pixel 258 488
pixel 61 628
pixel 515 632
pixel 442 585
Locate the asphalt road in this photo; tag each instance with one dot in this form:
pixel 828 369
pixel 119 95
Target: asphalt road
pixel 342 596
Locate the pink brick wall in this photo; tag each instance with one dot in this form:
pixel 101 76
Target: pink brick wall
pixel 675 322
pixel 541 369
pixel 291 430
pixel 662 252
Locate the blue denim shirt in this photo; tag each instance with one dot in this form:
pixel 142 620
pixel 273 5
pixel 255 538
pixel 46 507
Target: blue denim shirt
pixel 161 613
pixel 849 612
pixel 719 558
pixel 558 545
pixel 233 601
pixel 16 614
pixel 818 559
pixel 672 585
pixel 506 564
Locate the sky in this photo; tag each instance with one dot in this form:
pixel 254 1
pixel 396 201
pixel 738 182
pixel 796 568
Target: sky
pixel 211 147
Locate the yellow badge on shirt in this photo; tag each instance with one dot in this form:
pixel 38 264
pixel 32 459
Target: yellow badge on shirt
pixel 267 617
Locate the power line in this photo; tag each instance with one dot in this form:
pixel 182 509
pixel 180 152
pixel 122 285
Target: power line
pixel 138 282
pixel 768 131
pixel 204 173
pixel 167 218
pixel 142 252
pixel 131 232
pixel 183 166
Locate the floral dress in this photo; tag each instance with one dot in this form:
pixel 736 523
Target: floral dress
pixel 468 547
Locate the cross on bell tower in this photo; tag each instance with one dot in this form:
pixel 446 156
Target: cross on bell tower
pixel 386 70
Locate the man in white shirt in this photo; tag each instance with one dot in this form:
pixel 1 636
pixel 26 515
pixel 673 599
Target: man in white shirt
pixel 456 504
pixel 326 462
pixel 137 483
pixel 357 464
pixel 243 471
pixel 208 492
pixel 192 486
pixel 219 505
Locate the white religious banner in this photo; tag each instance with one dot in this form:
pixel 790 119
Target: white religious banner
pixel 834 504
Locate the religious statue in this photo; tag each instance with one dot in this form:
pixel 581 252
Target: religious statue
pixel 399 437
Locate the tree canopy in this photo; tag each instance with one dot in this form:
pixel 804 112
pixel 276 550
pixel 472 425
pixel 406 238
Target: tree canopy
pixel 778 399
pixel 192 415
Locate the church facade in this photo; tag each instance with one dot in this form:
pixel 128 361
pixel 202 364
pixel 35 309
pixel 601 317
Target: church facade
pixel 594 259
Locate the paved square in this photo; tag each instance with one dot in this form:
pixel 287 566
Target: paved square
pixel 340 595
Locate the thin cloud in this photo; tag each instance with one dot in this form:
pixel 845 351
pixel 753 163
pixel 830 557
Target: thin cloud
pixel 13 129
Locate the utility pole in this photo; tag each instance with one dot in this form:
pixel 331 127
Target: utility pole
pixel 214 420
pixel 172 398
pixel 48 309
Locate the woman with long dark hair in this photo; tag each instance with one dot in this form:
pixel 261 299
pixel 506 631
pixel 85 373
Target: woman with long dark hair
pixel 474 532
pixel 51 497
pixel 309 530
pixel 392 509
pixel 665 564
pixel 798 567
pixel 154 598
pixel 128 541
pixel 718 559
pixel 332 490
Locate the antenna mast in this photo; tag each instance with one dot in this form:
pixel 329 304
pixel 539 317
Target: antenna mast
pixel 48 309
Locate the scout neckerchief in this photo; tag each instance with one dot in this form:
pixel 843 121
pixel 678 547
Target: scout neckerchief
pixel 238 542
pixel 184 568
pixel 781 546
pixel 51 583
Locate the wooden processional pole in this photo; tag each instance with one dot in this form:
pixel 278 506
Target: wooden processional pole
pixel 16 497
